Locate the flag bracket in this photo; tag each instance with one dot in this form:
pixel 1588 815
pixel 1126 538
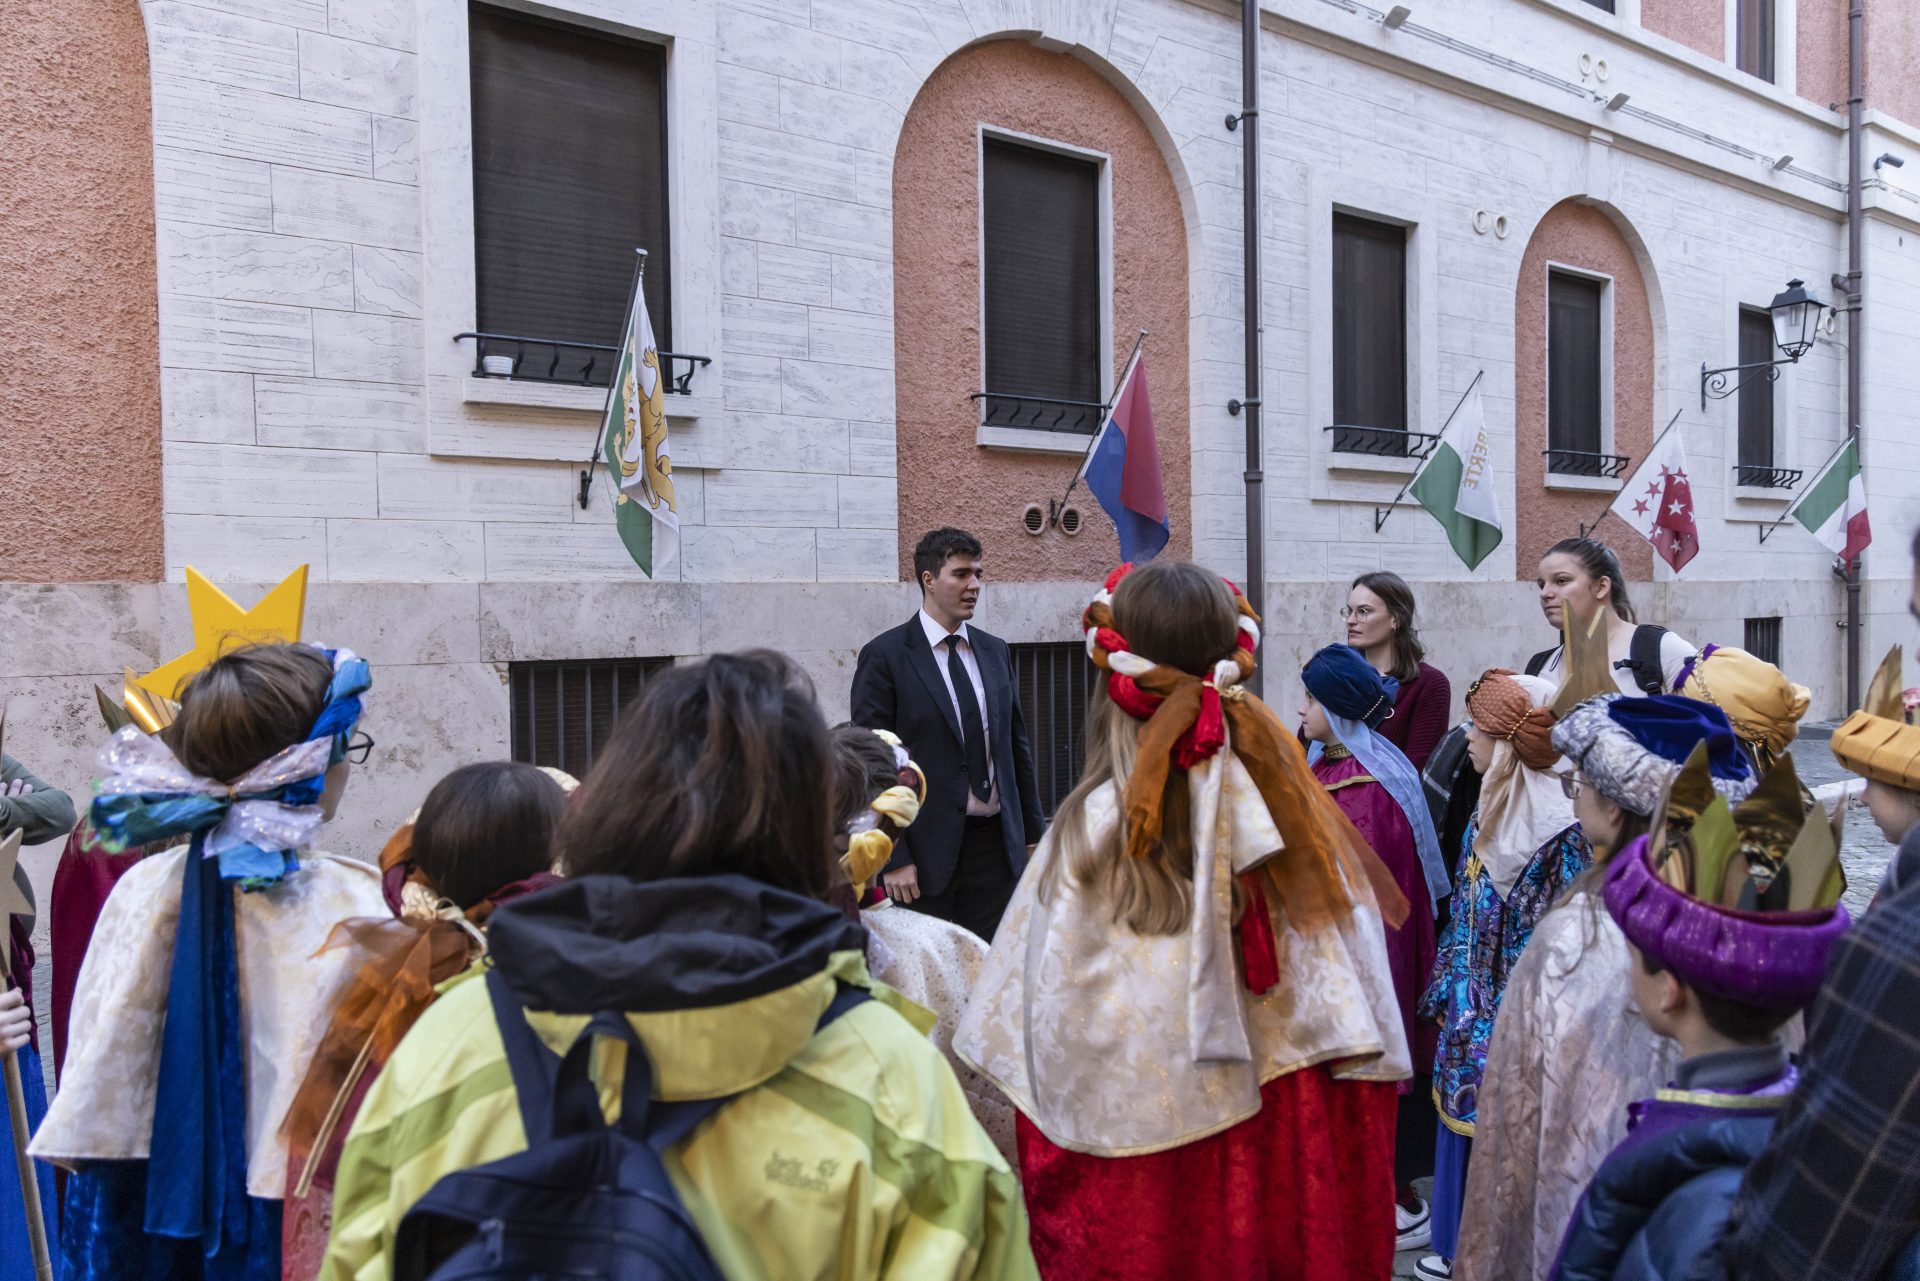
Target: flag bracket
pixel 1235 406
pixel 586 487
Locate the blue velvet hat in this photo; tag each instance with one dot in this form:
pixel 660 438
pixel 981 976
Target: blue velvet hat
pixel 1341 679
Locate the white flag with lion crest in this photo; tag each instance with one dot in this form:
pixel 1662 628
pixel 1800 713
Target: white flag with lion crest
pixel 635 433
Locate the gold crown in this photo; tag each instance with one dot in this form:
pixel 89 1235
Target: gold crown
pixel 1583 658
pixel 1776 851
pixel 1876 742
pixel 150 712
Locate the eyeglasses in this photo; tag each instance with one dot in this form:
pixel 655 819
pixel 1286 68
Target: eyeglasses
pixel 358 748
pixel 1570 785
pixel 1359 613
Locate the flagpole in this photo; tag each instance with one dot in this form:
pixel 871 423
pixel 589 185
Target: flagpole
pixel 1380 514
pixel 626 333
pixel 1812 480
pixel 1587 530
pixel 1126 372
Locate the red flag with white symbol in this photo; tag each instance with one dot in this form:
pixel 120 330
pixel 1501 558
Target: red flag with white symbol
pixel 1658 501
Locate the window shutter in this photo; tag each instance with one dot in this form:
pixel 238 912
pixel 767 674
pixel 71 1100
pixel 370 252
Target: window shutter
pixel 1056 690
pixel 1369 333
pixel 1573 363
pixel 1756 393
pixel 561 713
pixel 1041 222
pixel 569 177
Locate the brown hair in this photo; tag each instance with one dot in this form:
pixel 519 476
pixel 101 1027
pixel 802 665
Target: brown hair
pixel 1598 561
pixel 247 705
pixel 1178 615
pixel 486 826
pixel 863 767
pixel 1735 1020
pixel 1398 598
pixel 720 766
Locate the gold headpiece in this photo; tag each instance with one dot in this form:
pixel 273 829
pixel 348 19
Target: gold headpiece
pixel 219 623
pixel 869 842
pixel 150 712
pixel 1877 742
pixel 1773 852
pixel 1583 657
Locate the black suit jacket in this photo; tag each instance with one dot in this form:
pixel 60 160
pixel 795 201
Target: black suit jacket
pixel 897 686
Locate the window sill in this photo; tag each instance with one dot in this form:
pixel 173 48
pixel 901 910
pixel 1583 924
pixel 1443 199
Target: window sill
pixel 1762 496
pixel 1372 464
pixel 1028 441
pixel 1585 484
pixel 529 394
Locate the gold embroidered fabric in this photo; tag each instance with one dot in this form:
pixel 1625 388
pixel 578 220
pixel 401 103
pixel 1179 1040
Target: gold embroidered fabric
pixel 104 1107
pixel 1118 1044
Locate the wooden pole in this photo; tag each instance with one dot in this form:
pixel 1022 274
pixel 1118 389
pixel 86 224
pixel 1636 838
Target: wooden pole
pixel 17 1113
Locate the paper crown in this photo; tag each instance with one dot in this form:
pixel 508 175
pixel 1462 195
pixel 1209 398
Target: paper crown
pixel 1877 742
pixel 1583 657
pixel 150 712
pixel 1739 901
pixel 219 624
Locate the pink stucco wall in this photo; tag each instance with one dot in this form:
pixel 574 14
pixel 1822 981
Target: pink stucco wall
pixel 1582 236
pixel 1893 53
pixel 80 388
pixel 945 478
pixel 1821 69
pixel 1698 24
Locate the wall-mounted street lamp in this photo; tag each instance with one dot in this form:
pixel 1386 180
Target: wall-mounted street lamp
pixel 1796 319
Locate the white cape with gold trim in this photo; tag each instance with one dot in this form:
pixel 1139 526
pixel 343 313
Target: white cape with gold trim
pixel 1091 1029
pixel 103 1109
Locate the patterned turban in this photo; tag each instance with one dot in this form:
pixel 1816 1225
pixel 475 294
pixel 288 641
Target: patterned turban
pixel 1501 707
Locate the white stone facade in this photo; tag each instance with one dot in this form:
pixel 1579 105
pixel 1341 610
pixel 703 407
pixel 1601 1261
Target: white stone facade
pixel 315 233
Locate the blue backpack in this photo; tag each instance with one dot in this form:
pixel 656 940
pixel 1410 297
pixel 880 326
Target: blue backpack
pixel 585 1199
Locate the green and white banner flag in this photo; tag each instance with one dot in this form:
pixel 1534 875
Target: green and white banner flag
pixel 1456 484
pixel 1833 506
pixel 634 440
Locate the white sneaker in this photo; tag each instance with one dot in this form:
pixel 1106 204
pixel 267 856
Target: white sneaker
pixel 1414 1227
pixel 1433 1268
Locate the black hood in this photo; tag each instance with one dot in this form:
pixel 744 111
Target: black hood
pixel 607 943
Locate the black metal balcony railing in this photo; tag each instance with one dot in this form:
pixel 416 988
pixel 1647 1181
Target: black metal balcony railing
pixel 1040 413
pixel 1754 476
pixel 1382 442
pixel 587 364
pixel 1580 462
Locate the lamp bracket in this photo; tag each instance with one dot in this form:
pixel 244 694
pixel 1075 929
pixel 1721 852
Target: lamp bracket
pixel 1718 384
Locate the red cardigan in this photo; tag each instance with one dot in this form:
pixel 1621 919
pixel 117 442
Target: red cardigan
pixel 1420 715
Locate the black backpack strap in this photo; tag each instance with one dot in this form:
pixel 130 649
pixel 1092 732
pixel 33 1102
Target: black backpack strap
pixel 555 1095
pixel 1643 658
pixel 1538 663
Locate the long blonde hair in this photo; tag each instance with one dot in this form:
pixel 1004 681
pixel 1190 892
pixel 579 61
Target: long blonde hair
pixel 1177 615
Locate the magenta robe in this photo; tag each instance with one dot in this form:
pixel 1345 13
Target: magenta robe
pixel 85 876
pixel 1410 949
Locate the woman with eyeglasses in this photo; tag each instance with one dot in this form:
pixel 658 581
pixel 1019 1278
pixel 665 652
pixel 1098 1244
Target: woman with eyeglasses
pixel 1379 618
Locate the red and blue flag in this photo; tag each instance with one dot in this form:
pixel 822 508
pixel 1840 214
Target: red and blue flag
pixel 1123 470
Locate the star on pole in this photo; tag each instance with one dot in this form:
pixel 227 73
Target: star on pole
pixel 219 624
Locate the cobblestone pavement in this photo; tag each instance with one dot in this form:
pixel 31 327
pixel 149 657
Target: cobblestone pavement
pixel 1863 853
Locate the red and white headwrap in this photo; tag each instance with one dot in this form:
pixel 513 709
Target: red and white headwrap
pixel 1111 654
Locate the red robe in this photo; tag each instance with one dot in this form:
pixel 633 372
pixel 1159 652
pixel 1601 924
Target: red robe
pixel 85 876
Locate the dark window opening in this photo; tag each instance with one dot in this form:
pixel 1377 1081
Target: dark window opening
pixel 1754 38
pixel 1762 639
pixel 1756 389
pixel 1056 689
pixel 1042 249
pixel 1574 381
pixel 569 178
pixel 1605 5
pixel 562 712
pixel 1369 336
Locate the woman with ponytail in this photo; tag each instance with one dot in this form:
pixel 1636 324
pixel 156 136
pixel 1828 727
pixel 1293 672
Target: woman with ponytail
pixel 1581 577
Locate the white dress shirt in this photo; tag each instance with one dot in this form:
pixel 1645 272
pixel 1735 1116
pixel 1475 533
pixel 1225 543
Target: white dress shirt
pixel 937 638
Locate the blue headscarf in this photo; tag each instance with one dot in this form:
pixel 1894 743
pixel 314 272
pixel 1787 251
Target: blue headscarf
pixel 1357 698
pixel 247 833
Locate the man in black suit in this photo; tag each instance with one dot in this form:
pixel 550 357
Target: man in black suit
pixel 946 688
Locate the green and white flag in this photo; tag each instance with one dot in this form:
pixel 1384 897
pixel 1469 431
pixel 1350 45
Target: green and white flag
pixel 1456 484
pixel 634 438
pixel 1833 506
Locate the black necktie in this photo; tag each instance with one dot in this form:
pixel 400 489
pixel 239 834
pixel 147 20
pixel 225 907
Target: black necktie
pixel 970 728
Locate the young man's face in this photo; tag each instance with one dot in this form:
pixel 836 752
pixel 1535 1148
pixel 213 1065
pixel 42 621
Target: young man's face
pixel 955 590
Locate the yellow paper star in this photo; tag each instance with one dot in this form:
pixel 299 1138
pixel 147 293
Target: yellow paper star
pixel 219 624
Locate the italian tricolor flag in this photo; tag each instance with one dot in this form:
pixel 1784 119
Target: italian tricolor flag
pixel 1456 484
pixel 1834 506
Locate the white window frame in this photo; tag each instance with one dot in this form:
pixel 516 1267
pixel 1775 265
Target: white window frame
pixel 1786 26
pixel 1019 438
pixel 503 418
pixel 1362 477
pixel 1553 480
